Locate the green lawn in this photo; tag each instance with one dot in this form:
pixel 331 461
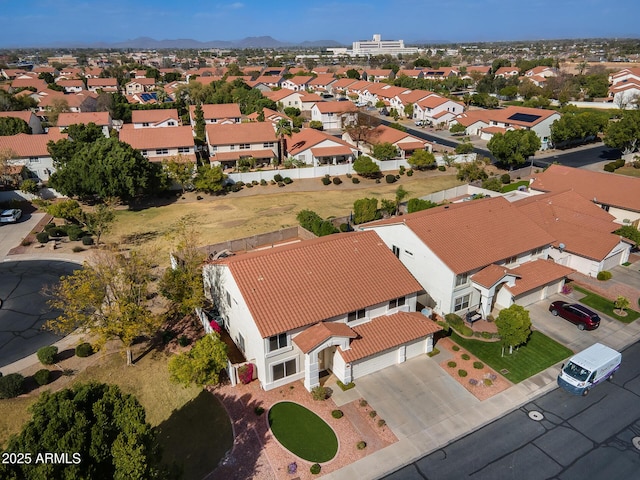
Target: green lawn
pixel 303 432
pixel 514 186
pixel 538 354
pixel 605 306
pixel 629 171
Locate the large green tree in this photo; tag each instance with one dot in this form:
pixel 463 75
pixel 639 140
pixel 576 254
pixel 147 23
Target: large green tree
pixel 202 364
pixel 422 160
pixel 365 210
pixel 180 169
pixel 385 151
pixel 103 431
pixel 514 146
pixel 574 127
pixel 366 167
pixel 209 179
pixel 99 221
pixel 624 133
pixel 108 298
pixel 13 126
pixel 514 326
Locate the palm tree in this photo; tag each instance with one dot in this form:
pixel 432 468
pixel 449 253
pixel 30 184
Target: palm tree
pixel 283 129
pixel 401 194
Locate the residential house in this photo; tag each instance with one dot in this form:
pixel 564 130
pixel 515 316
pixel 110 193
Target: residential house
pixel 140 85
pixel 440 73
pixel 410 73
pixel 317 148
pixel 159 118
pixel 583 232
pixel 340 86
pixel 333 115
pixel 406 98
pixel 616 194
pixel 308 100
pixel 272 81
pixel 285 97
pixel 30 151
pixel 403 141
pixel 101 119
pixel 71 85
pixel 322 83
pixel 625 94
pixel 158 144
pixel 485 123
pixel 28 117
pixel 229 143
pixel 221 113
pixel 12 73
pixel 436 110
pixel 29 82
pixel 378 74
pixel 381 92
pixel 297 83
pixel 76 102
pixel 506 72
pixel 108 85
pixel 354 318
pixel 269 116
pixel 474 256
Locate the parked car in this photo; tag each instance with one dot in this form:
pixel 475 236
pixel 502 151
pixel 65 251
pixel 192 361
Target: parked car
pixel 10 216
pixel 418 123
pixel 578 314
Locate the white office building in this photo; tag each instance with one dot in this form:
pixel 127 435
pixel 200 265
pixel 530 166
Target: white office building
pixel 377 46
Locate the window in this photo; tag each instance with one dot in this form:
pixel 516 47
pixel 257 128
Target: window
pixel 461 303
pixel 171 123
pixel 240 341
pixel 214 148
pixel 145 153
pixel 277 342
pixel 396 302
pixel 244 146
pixel 605 208
pixel 284 369
pixel 537 251
pixel 232 147
pixel 34 160
pixel 511 260
pixel 396 251
pixel 462 279
pixel 268 144
pixel 228 299
pixel 357 315
pixel 145 124
pixel 183 149
pixel 162 151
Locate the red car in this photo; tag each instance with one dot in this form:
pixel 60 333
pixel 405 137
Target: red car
pixel 578 314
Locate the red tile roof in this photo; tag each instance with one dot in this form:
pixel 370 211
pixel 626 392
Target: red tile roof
pixel 152 138
pixel 154 116
pixel 70 118
pixel 314 336
pixel 25 145
pixel 301 284
pixel 218 111
pixel 606 188
pixel 490 275
pixel 237 133
pixel 536 274
pixel 465 235
pixel 336 107
pixel 279 95
pixel 309 137
pixel 388 331
pixel 22 115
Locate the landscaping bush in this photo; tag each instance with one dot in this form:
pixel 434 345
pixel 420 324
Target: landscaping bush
pixel 378 180
pixel 454 320
pixel 326 181
pixel 402 169
pixel 473 382
pixel 441 168
pixel 349 175
pixel 612 166
pixel 277 177
pixel 84 350
pixel 346 387
pixel 486 335
pixel 462 373
pixel 337 414
pixel 604 275
pixel 433 352
pixel 26 242
pixel 47 355
pixel 344 227
pixel 478 365
pixel 466 331
pixel 77 249
pixel 363 403
pixel 254 182
pixel 263 182
pixel 455 348
pixel 373 414
pixel 287 180
pixel 355 180
pixel 487 382
pixel 390 178
pixel 88 240
pixel 42 237
pixel 249 185
pixel 620 162
pixel 381 423
pixel 337 181
pixel 245 373
pixel 410 173
pixel 505 178
pixel 361 445
pixel 258 411
pixel 320 393
pixel 167 336
pixel 183 341
pixel 57 232
pixel 452 364
pixel 42 376
pixel 11 385
pixel 75 233
pixel 465 356
pixel 315 468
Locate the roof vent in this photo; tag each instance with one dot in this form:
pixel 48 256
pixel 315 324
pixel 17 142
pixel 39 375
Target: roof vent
pixel 561 247
pixel 446 207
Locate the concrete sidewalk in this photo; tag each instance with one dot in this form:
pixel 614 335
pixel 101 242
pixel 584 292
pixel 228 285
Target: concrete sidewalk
pixel 458 414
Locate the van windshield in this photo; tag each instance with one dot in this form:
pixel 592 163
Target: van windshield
pixel 576 371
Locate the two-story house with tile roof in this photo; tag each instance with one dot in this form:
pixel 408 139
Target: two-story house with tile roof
pixel 222 113
pixel 403 141
pixel 341 303
pixel 297 83
pixel 140 85
pixel 158 144
pixel 228 143
pixel 102 84
pixel 285 97
pixel 31 151
pixel 26 116
pixel 160 118
pixel 101 119
pixel 474 255
pixel 333 115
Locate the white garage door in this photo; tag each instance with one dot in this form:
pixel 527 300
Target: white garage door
pixel 529 298
pixel 375 363
pixel 416 348
pixel 612 261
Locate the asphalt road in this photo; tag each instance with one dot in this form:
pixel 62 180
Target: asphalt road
pixel 24 309
pixel 596 437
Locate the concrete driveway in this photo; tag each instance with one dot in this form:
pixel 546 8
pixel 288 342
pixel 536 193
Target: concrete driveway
pixel 11 234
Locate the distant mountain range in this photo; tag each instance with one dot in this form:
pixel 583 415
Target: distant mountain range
pixel 187 43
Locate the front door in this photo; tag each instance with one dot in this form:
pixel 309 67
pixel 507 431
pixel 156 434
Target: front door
pixel 325 358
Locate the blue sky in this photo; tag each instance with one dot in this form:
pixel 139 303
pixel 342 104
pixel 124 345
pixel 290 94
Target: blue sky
pixel 41 22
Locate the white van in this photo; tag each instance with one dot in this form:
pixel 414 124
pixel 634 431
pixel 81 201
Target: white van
pixel 586 369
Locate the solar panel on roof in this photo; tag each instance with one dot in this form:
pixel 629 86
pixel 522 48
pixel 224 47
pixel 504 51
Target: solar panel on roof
pixel 524 117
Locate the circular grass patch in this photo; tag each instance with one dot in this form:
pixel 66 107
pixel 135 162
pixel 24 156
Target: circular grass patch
pixel 302 432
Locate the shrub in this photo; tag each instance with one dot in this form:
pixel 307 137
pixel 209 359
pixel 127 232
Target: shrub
pixel 363 403
pixel 42 376
pixel 505 178
pixel 346 387
pixel 390 178
pixel 466 331
pixel 462 373
pixel 361 445
pixel 11 385
pixel 337 181
pixel 293 468
pixel 473 382
pixel 249 185
pixel 381 423
pixel 344 227
pixel 47 355
pixel 326 180
pixel 409 173
pixel 42 237
pixel 433 352
pixel 355 180
pixel 465 356
pixel 349 175
pixel 315 468
pixel 378 180
pixel 373 414
pixel 604 275
pixel 486 335
pixel 26 242
pixel 454 320
pixel 402 169
pixel 263 182
pixel 287 180
pixel 620 162
pixel 487 382
pixel 75 233
pixel 245 373
pixel 167 336
pixel 277 177
pixel 455 348
pixel 258 411
pixel 452 364
pixel 84 350
pixel 478 365
pixel 183 341
pixel 254 182
pixel 320 393
pixel 88 240
pixel 337 414
pixel 441 168
pixel 77 249
pixel 57 232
